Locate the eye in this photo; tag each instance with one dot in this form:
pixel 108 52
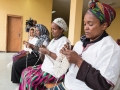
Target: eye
pixel 90 23
pixel 53 29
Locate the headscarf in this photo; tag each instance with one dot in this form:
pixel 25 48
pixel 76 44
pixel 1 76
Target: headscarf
pixel 102 11
pixel 44 34
pixel 61 23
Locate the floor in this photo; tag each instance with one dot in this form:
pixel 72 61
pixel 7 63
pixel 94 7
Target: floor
pixel 5 72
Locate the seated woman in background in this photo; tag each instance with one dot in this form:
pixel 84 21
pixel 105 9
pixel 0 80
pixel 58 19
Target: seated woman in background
pixel 95 61
pixel 18 66
pixel 34 78
pixel 32 39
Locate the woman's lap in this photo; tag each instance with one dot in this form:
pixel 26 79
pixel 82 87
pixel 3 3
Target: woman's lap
pixel 20 65
pixel 38 80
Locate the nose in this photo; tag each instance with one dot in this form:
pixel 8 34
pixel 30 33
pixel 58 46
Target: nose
pixel 86 27
pixel 52 30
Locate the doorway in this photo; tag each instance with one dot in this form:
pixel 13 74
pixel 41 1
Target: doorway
pixel 14 33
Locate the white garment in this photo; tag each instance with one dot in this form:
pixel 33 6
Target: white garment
pixel 54 46
pixel 31 41
pixel 118 84
pixel 103 55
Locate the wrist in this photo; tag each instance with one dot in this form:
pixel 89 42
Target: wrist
pixel 79 62
pixel 49 53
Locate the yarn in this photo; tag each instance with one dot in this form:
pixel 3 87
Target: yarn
pixel 60 66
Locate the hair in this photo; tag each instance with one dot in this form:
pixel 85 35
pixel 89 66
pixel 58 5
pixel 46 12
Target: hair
pixel 118 41
pixel 32 28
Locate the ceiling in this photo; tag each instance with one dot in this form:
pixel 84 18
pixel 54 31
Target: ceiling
pixel 62 7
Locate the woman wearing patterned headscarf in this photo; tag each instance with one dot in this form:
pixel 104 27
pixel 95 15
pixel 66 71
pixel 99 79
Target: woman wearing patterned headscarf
pixel 94 59
pixel 32 58
pixel 35 79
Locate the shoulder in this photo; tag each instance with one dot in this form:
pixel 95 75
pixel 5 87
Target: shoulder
pixel 63 38
pixel 35 38
pixel 108 45
pixel 78 45
pixel 109 41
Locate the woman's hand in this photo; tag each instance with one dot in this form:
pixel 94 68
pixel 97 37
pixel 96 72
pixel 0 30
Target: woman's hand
pixel 25 42
pixel 29 45
pixel 72 56
pixel 43 49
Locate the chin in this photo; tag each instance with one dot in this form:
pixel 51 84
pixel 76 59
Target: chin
pixel 53 35
pixel 87 36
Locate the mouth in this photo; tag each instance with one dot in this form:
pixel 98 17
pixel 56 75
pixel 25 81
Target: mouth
pixel 86 33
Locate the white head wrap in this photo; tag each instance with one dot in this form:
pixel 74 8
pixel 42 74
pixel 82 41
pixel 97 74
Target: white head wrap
pixel 61 23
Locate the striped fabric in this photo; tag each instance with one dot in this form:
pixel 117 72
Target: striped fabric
pixel 33 78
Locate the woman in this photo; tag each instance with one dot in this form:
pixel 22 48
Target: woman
pixel 34 78
pixel 31 59
pixel 94 60
pixel 32 39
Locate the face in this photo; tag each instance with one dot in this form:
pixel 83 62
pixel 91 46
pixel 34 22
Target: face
pixel 56 31
pixel 31 32
pixel 37 32
pixel 92 27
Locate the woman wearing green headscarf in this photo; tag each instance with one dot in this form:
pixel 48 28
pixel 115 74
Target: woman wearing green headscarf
pixel 95 58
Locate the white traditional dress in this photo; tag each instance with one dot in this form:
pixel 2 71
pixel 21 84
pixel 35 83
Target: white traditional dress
pixel 103 55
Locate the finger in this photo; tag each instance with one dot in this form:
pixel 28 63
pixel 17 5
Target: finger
pixel 65 52
pixel 40 46
pixel 61 51
pixel 65 46
pixel 68 44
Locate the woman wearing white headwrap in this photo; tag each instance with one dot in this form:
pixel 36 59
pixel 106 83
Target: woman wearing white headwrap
pixel 35 79
pixel 32 58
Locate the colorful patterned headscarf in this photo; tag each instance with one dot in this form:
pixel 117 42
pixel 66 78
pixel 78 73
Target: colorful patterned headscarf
pixel 102 11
